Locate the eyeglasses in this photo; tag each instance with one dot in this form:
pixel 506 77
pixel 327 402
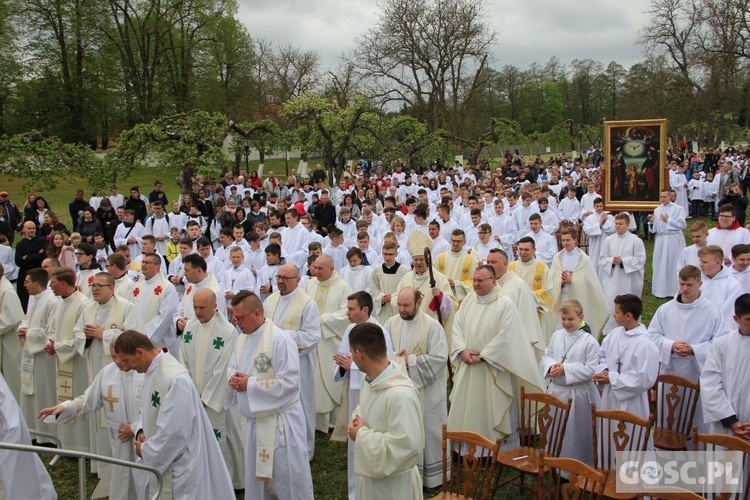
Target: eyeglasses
pixel 286 278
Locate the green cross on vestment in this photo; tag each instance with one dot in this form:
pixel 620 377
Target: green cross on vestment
pixel 155 400
pixel 187 337
pixel 218 343
pixel 217 433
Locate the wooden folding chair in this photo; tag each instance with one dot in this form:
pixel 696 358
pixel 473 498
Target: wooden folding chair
pixel 583 482
pixel 718 443
pixel 676 402
pixel 468 465
pixel 616 430
pixel 542 429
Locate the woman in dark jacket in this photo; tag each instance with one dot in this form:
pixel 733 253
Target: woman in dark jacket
pixel 51 224
pixel 89 225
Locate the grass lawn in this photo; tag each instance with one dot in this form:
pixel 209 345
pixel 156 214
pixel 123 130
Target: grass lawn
pixel 329 465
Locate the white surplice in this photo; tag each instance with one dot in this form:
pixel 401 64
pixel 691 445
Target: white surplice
pixel 727 238
pixel 722 290
pixel 357 277
pixel 578 351
pixel 626 277
pixel 155 302
pixel 698 324
pixel 633 364
pixel 669 243
pixel 11 315
pixel 384 281
pixel 597 233
pixel 724 381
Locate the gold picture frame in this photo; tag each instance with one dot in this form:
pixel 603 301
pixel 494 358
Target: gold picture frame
pixel 635 164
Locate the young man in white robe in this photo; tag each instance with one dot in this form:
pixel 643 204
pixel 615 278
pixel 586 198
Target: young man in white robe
pixel 101 321
pixel 550 218
pixel 198 278
pixel 116 392
pixel 23 474
pixel 726 377
pixel 37 367
pixel 457 265
pixel 598 227
pixel 628 361
pixel 504 230
pixel 386 427
pixel 155 303
pixel 129 233
pixel 667 222
pixel 728 232
pixel 348 375
pixel 330 293
pixel 11 315
pixel 440 245
pixel 569 363
pixel 173 432
pixel 482 248
pixel 522 297
pixel 574 278
pixel 71 374
pixel 264 382
pixel 718 285
pixel 538 277
pixel 491 360
pixel 295 238
pixel 265 283
pixel 158 226
pixel 356 274
pixel 683 329
pixel 546 244
pixel 419 342
pixel 689 254
pixel 207 345
pixel 291 309
pixel 740 266
pixel 621 264
pixel 384 280
pixel 124 284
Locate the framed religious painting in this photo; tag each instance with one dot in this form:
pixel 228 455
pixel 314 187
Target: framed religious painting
pixel 635 160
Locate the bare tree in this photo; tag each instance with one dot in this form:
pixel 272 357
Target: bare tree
pixel 428 55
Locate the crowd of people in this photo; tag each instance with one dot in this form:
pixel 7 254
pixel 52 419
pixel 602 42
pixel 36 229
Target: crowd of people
pixel 212 336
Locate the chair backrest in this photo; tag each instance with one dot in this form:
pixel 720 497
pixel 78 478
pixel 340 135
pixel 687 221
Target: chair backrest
pixel 617 430
pixel 468 463
pixel 721 442
pixel 676 402
pixel 543 421
pixel 582 482
pixel 674 494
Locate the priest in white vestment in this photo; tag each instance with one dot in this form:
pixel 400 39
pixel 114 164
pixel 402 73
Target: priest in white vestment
pixel 384 280
pixel 11 315
pixel 621 265
pixel 726 377
pixel 386 427
pixel 291 309
pixel 330 294
pixel 101 321
pixel 207 345
pixel 348 375
pixel 196 273
pixel 490 360
pixel 522 297
pixel 719 287
pixel 23 474
pixel 264 382
pixel 628 361
pixel 37 367
pixel 173 433
pixel 116 393
pixel 574 278
pixel 683 330
pixel 155 303
pixel 569 363
pixel 419 342
pixel 438 298
pixel 538 277
pixel 667 222
pixel 72 374
pixel 457 265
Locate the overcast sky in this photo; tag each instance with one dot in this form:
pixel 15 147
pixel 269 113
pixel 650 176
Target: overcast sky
pixel 529 30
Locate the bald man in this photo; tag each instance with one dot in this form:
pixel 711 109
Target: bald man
pixel 30 252
pixel 207 345
pixel 419 342
pixel 293 310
